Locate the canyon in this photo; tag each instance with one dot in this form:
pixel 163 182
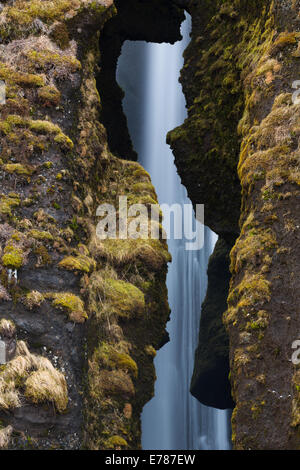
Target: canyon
pixel 81 318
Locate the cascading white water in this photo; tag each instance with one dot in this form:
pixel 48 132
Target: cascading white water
pixel 154 104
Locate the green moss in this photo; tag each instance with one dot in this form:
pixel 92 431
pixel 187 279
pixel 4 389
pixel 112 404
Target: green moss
pixel 10 76
pixel 253 247
pixel 253 289
pixel 43 127
pixel 41 235
pixel 63 140
pixel 49 95
pixel 125 362
pixel 13 257
pixel 110 357
pixel 261 321
pixel 27 202
pixel 71 304
pixel 33 299
pixel 19 169
pixel 43 256
pixel 141 173
pixel 124 299
pixel 256 410
pixel 7 203
pixel 78 263
pixel 24 12
pixel 47 57
pixel 115 442
pixel 143 187
pixel 16 236
pixel 48 165
pixel 46 128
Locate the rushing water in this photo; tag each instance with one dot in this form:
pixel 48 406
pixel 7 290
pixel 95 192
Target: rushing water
pixel 154 104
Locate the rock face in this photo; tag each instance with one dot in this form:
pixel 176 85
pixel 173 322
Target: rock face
pixel 210 383
pixel 243 129
pixel 208 137
pixel 263 316
pixel 87 314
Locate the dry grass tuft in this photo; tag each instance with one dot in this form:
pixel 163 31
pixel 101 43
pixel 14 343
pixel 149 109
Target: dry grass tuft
pixel 34 374
pixel 47 385
pixel 7 328
pixel 4 295
pixel 33 299
pixel 35 54
pixel 5 435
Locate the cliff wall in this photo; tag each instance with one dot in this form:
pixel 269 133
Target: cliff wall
pixel 242 131
pixel 81 318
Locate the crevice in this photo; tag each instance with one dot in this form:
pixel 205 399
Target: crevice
pixel 210 385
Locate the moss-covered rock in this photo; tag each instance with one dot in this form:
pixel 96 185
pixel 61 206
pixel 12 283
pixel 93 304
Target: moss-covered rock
pixel 242 131
pixel 8 203
pixel 124 299
pixel 56 168
pixel 49 95
pixel 18 169
pixel 263 260
pixel 71 304
pixel 33 299
pixel 13 257
pixel 78 263
pixel 115 442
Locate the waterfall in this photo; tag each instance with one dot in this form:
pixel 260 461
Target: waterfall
pixel 154 104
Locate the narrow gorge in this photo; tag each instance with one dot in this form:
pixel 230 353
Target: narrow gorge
pixel 119 343
pixel 173 419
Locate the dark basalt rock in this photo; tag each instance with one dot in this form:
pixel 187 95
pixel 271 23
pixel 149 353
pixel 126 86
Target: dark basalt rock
pixel 210 384
pixel 56 169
